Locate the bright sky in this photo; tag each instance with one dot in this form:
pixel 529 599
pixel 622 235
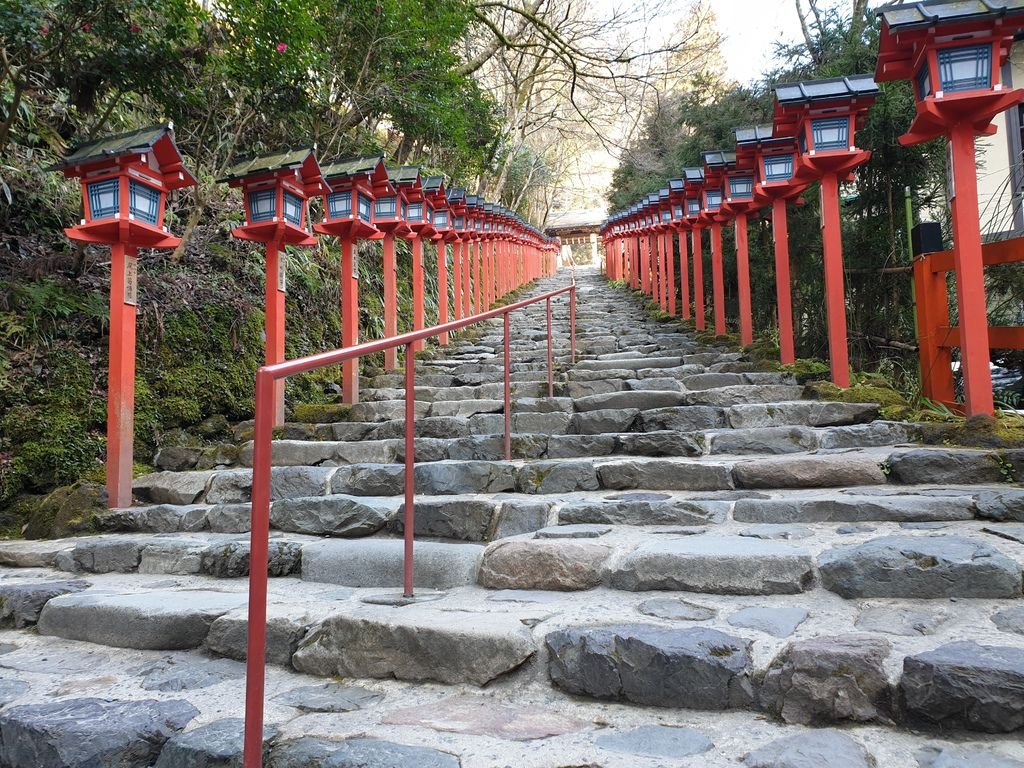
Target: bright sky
pixel 750 29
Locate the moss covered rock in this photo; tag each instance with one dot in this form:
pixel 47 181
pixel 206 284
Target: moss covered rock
pixel 321 413
pixel 67 511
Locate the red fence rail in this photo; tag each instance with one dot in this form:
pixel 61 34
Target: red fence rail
pixel 266 378
pixel 936 337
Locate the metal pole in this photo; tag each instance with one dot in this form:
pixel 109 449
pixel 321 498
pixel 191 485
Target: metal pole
pixel 508 386
pixel 551 374
pixel 572 324
pixel 410 466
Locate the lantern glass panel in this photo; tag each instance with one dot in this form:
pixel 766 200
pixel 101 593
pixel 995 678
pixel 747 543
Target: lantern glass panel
pixel 666 215
pixel 968 68
pixel 105 199
pixel 339 205
pixel 143 202
pixel 405 209
pixel 440 219
pixel 692 207
pixel 923 81
pixel 741 188
pixel 460 222
pixel 385 207
pixel 365 208
pixel 830 133
pixel 415 212
pixel 713 199
pixel 263 205
pixel 778 168
pixel 677 211
pixel 292 208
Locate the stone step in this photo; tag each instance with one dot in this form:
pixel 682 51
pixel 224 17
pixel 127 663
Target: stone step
pixel 716 664
pixel 820 469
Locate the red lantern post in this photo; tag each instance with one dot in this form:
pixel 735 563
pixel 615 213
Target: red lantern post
pixel 275 188
pixel 775 160
pixel 693 179
pixel 715 164
pixel 348 214
pixel 955 54
pixel 389 210
pixel 680 226
pixel 739 201
pixel 125 180
pixel 417 216
pixel 437 201
pixel 824 116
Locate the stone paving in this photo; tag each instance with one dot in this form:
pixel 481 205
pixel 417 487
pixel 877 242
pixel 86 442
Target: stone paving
pixel 686 563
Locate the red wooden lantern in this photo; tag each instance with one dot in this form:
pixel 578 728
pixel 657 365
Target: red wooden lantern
pixel 680 225
pixel 824 116
pixel 474 236
pixel 275 189
pixel 418 215
pixel 348 214
pixel 125 180
pixel 436 200
pixel 693 179
pixel 955 52
pixel 460 252
pixel 775 161
pixel 389 210
pixel 738 189
pixel 716 165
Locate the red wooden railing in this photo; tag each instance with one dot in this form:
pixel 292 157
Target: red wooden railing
pixel 266 378
pixel 935 335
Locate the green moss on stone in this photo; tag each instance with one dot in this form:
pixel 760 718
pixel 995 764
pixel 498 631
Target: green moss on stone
pixel 321 413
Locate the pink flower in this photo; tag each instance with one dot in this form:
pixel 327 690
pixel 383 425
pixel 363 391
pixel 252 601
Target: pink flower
pixel 86 27
pixel 134 29
pixel 44 30
pixel 282 47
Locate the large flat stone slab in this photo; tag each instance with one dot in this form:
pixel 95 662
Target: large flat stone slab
pixel 714 564
pixel 692 668
pixel 640 400
pixel 625 511
pixel 156 620
pixel 423 645
pixel 814 749
pixel 356 753
pixel 965 685
pixel 855 509
pixel 814 471
pixel 380 563
pixel 336 515
pixel 933 465
pixel 920 567
pixel 808 412
pixel 214 745
pixel 665 475
pixel 481 716
pixel 543 564
pixel 83 733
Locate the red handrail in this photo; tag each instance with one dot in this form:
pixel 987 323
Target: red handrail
pixel 259 534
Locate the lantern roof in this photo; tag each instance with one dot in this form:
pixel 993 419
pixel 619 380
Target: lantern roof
pixel 718 159
pixel 301 160
pixel 929 12
pixel 457 196
pixel 753 134
pixel 155 139
pixel 663 193
pixel 693 175
pixel 830 89
pixel 405 175
pixel 371 167
pixel 676 185
pixel 434 185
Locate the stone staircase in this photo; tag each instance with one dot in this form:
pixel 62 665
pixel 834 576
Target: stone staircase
pixel 685 564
